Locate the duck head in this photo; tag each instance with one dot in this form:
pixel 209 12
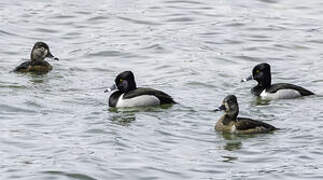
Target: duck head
pixel 230 106
pixel 124 82
pixel 261 73
pixel 41 51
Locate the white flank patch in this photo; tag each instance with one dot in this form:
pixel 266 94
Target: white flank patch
pixel 143 100
pixel 233 129
pixel 281 94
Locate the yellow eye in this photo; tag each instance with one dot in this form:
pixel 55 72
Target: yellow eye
pixel 257 71
pixel 121 80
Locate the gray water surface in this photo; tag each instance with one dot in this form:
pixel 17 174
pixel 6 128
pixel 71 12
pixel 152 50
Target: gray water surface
pixel 58 125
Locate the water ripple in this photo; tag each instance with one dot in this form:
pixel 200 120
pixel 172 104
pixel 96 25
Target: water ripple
pixel 69 175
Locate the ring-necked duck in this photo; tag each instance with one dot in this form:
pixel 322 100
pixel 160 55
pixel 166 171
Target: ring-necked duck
pixel 231 123
pixel 128 95
pixel 37 61
pixel 261 73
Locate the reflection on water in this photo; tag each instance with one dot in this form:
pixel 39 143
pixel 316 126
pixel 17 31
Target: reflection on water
pixel 123 118
pixel 233 145
pixel 69 175
pixel 261 101
pixel 229 159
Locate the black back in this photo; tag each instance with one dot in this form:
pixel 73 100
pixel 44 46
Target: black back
pixel 246 123
pixel 23 66
pixel 275 87
pixel 163 97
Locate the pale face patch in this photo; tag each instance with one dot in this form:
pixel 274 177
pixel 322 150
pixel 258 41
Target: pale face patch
pixel 39 53
pixel 45 53
pixel 233 129
pixel 227 107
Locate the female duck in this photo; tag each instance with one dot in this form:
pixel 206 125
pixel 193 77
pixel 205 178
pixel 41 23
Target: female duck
pixel 128 95
pixel 37 61
pixel 231 123
pixel 261 73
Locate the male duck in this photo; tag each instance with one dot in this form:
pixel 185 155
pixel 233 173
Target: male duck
pixel 261 73
pixel 128 95
pixel 231 123
pixel 37 63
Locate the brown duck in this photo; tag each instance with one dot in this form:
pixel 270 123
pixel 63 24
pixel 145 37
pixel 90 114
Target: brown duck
pixel 231 123
pixel 37 63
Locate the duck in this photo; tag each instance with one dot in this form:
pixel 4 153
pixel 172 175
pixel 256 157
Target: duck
pixel 37 63
pixel 262 74
pixel 127 94
pixel 231 123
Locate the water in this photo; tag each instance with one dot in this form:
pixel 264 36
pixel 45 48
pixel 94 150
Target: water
pixel 58 126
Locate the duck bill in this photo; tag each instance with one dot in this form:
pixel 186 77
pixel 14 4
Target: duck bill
pixel 221 108
pixel 247 79
pixel 113 87
pixel 49 55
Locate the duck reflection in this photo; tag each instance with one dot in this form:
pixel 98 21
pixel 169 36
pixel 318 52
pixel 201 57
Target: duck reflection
pixel 260 101
pixel 232 142
pixel 231 146
pixel 229 159
pixel 124 118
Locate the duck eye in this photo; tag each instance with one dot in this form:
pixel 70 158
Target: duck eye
pixel 257 71
pixel 121 80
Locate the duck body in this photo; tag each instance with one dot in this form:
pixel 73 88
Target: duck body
pixel 128 95
pixel 34 66
pixel 231 123
pixel 281 91
pixel 242 126
pixel 37 63
pixel 262 74
pixel 139 97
